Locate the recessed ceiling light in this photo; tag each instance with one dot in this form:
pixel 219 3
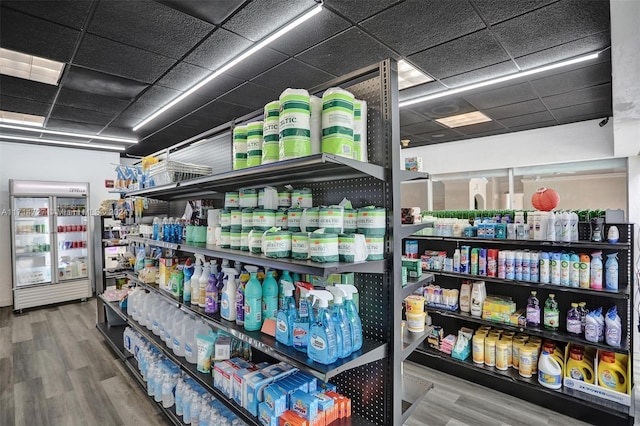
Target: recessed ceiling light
pixel 409 76
pixel 19 118
pixel 10 138
pixel 70 134
pixel 29 67
pixel 464 119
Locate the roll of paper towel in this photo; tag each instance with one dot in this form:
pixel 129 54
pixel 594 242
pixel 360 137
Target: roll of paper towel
pixel 295 124
pixel 360 130
pixel 239 147
pixel 352 248
pixel 316 125
pixel 254 143
pixel 337 122
pixel 270 137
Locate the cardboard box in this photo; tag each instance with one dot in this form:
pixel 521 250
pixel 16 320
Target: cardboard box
pixel 166 264
pixel 304 404
pixel 238 380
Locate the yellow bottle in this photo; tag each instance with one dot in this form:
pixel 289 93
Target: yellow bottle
pixel 612 374
pixel 579 368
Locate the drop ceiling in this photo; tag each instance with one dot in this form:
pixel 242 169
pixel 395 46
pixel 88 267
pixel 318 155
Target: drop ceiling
pixel 126 59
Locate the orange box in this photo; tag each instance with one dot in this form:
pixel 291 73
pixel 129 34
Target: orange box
pixel 342 403
pixel 289 418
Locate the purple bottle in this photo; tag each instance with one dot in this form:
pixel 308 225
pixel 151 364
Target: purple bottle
pixel 533 310
pixel 574 320
pixel 211 295
pixel 240 298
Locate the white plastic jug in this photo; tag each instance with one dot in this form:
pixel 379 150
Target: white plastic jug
pixel 549 371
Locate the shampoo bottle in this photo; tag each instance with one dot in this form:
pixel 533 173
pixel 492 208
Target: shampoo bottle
pixel 322 346
pixel 202 284
pixel 269 296
pixel 611 276
pixel 286 316
pixel 341 322
pixel 596 270
pixel 253 304
pixel 478 294
pixel 228 298
pixel 352 314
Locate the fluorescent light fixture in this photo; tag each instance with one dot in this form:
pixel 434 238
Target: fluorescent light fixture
pixel 409 76
pixel 30 67
pixel 19 118
pixel 65 143
pixel 464 119
pixel 264 42
pixel 498 80
pixel 73 135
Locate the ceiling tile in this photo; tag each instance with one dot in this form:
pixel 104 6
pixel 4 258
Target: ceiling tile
pixel 409 27
pixel 162 139
pixel 573 80
pixel 565 51
pixel 27 89
pixel 405 135
pixel 73 126
pixel 601 108
pixel 501 96
pixel 444 135
pixel 250 95
pixel 158 96
pixel 227 111
pixel 357 10
pixel 69 13
pixel 120 59
pixel 589 94
pixel 523 120
pixel 25 106
pixel 408 117
pixel 257 63
pixel 484 128
pixel 425 126
pixel 218 49
pixel 35 36
pixel 495 11
pixel 262 17
pixel 214 12
pixel 473 51
pixel 218 86
pixel 514 110
pixel 183 76
pixel 534 126
pixel 481 74
pixel 592 116
pixel 81 115
pixel 118 132
pixel 493 132
pixel 128 121
pixel 421 90
pixel 92 102
pixel 86 80
pixel 294 74
pixel 315 30
pixel 163 30
pixel 553 25
pixel 446 107
pixel 346 52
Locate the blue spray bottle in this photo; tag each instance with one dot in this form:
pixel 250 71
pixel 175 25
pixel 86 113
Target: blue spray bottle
pixel 341 321
pixel 302 321
pixel 352 314
pixel 322 346
pixel 286 315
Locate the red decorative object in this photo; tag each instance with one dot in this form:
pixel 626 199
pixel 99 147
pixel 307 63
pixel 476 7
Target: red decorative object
pixel 545 199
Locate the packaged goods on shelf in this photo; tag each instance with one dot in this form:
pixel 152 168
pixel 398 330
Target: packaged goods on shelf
pixel 441 298
pixel 433 260
pixel 498 309
pixel 414 267
pixel 413 164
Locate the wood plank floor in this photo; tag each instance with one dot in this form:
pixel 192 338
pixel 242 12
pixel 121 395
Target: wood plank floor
pixel 55 369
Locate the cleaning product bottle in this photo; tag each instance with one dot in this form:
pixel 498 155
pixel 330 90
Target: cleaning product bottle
pixel 228 298
pixel 202 284
pixel 574 320
pixel 611 275
pixel 551 313
pixel 156 228
pixel 341 322
pixel 269 296
pixel 195 280
pixel 545 268
pixel 285 277
pixel 211 295
pixel 166 229
pixel 475 254
pixel 322 347
pixel 579 368
pixel 526 265
pixel 574 270
pixel 286 316
pixel 584 312
pixel 612 374
pixel 302 321
pixel 613 327
pixel 352 314
pixel 555 268
pixel 565 259
pixel 253 304
pixel 596 270
pixel 549 371
pixel 591 327
pixel 244 278
pixel 456 260
pixel 533 310
pixel 188 271
pixel 510 265
pixel 478 294
pixel 600 321
pixel 585 270
pixel 534 266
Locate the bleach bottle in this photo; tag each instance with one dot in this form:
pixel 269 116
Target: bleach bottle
pixel 302 321
pixel 195 280
pixel 341 321
pixel 352 314
pixel 286 316
pixel 228 299
pixel 202 285
pixel 188 271
pixel 253 304
pixel 322 346
pixel 269 296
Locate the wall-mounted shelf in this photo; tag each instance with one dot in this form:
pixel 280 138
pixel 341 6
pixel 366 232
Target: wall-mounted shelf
pixel 413 285
pixel 414 390
pixel 530 243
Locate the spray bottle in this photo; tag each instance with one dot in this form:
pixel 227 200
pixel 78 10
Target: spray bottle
pixel 188 271
pixel 322 346
pixel 202 284
pixel 195 279
pixel 341 322
pixel 285 277
pixel 253 304
pixel 303 319
pixel 352 315
pixel 228 299
pixel 211 295
pixel 269 296
pixel 286 316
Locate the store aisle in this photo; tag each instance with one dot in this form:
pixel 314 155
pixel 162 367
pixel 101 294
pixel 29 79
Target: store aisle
pixel 56 370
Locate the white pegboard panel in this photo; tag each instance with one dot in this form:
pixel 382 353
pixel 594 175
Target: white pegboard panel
pixel 215 152
pixel 365 386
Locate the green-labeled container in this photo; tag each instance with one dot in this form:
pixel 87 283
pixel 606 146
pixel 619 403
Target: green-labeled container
pixel 247 219
pixel 302 198
pixel 225 218
pixel 350 217
pixel 254 143
pixel 176 282
pixel 236 218
pixel 234 239
pixel 248 198
pixel 232 200
pixel 239 147
pixel 331 219
pixel 263 219
pixel 375 247
pixel 200 234
pixel 309 221
pixel 284 199
pixel 255 241
pixel 189 232
pixel 347 247
pixel 300 245
pixel 281 218
pixel 270 135
pixel 244 239
pixel 294 125
pixel 337 122
pixel 277 244
pixel 357 129
pixel 293 219
pixel 372 221
pixel 323 248
pixel 225 238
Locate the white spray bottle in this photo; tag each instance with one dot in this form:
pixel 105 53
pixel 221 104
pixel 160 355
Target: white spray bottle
pixel 352 313
pixel 195 280
pixel 202 284
pixel 228 300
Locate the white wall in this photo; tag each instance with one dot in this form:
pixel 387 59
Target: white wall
pixel 34 162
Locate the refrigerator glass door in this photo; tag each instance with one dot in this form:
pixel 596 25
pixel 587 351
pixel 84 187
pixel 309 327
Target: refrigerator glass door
pixel 32 240
pixel 71 228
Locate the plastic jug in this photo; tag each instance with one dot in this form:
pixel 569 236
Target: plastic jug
pixel 549 371
pixel 612 374
pixel 579 368
pixel 269 296
pixel 253 304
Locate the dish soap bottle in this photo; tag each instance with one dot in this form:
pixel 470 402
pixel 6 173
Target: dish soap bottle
pixel 253 304
pixel 322 346
pixel 611 275
pixel 533 310
pixel 341 321
pixel 574 320
pixel 596 270
pixel 551 313
pixel 228 299
pixel 269 296
pixel 352 314
pixel 286 316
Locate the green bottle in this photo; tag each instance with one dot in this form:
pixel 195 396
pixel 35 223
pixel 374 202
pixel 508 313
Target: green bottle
pixel 551 313
pixel 269 296
pixel 253 304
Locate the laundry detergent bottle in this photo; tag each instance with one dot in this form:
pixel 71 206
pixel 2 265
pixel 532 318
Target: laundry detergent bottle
pixel 352 314
pixel 341 321
pixel 322 346
pixel 286 316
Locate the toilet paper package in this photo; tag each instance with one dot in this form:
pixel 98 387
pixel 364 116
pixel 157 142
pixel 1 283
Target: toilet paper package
pixel 294 124
pixel 352 248
pixel 337 122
